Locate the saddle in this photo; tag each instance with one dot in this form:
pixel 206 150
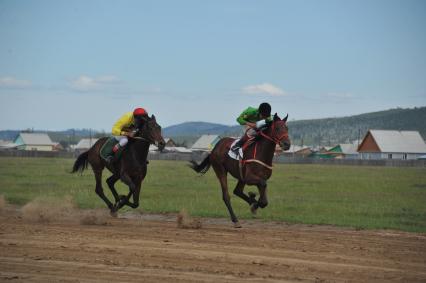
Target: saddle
pixel 240 157
pixel 242 149
pixel 106 149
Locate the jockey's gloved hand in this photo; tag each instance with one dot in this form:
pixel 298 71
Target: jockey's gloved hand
pixel 261 124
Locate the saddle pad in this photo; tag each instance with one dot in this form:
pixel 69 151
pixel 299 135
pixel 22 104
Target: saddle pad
pixel 233 155
pixel 106 149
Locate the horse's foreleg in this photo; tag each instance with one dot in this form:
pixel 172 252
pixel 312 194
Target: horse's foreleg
pixel 136 193
pixel 239 191
pixel 263 199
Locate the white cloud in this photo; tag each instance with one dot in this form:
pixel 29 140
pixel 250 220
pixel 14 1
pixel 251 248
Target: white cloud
pixel 265 88
pixel 11 82
pixel 86 83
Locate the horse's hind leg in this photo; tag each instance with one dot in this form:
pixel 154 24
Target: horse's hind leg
pixel 100 190
pixel 134 189
pixel 221 175
pixel 111 181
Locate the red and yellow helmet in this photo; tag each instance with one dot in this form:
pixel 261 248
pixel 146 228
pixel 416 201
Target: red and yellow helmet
pixel 140 112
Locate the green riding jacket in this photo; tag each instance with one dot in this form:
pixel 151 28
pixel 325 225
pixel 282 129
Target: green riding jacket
pixel 251 115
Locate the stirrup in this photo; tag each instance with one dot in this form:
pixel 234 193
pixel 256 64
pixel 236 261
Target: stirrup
pixel 235 149
pixel 109 159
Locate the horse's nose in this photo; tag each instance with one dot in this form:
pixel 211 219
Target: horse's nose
pixel 285 145
pixel 161 145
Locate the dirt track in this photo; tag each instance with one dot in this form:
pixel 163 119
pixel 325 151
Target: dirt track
pixel 153 249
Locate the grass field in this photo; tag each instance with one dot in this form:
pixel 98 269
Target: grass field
pixel 362 197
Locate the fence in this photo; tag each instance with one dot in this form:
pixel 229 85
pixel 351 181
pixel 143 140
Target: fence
pixel 198 156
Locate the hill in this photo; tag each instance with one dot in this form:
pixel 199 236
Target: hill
pixel 195 129
pixel 330 131
pixel 327 131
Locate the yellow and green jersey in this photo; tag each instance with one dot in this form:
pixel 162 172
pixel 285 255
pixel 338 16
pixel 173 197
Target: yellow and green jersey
pixel 250 115
pixel 125 121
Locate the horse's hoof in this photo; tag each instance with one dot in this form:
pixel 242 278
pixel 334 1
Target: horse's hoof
pixel 253 208
pixel 252 195
pixel 113 214
pixel 237 225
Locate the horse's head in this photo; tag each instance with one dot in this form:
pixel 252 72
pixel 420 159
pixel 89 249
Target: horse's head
pixel 279 132
pixel 151 131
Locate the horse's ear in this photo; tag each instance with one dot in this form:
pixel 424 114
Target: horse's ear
pixel 153 117
pixel 276 118
pixel 285 118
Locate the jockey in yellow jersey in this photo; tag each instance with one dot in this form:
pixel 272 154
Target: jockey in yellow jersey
pixel 136 118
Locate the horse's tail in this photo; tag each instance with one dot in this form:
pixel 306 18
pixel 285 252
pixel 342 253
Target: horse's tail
pixel 81 163
pixel 203 167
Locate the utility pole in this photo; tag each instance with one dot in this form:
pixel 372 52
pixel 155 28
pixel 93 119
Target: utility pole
pixel 90 137
pixel 359 135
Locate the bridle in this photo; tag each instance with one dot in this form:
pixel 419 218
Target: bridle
pixel 274 139
pixel 138 130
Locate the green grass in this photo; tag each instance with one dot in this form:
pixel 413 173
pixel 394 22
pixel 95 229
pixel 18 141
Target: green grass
pixel 362 197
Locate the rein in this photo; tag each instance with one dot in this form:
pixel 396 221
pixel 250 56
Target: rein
pixel 141 138
pixel 275 140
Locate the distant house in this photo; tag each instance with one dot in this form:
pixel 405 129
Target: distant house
pixel 84 144
pixel 344 150
pixel 34 141
pixel 58 147
pixel 7 145
pixel 205 143
pixel 324 149
pixel 179 149
pixel 387 144
pixel 169 142
pixel 153 148
pixel 298 151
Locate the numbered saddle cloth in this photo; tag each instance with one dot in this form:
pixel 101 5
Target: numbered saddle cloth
pixel 106 149
pixel 232 154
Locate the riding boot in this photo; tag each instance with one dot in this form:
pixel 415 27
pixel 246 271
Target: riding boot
pixel 239 144
pixel 116 148
pixel 113 156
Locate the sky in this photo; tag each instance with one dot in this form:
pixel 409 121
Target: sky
pixel 82 64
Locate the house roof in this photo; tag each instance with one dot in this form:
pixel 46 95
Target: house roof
pixel 178 149
pixel 344 148
pixel 296 148
pixel 35 139
pixel 7 144
pixel 206 142
pixel 398 141
pixel 85 143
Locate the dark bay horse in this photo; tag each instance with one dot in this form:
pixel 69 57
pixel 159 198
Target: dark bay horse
pixel 131 168
pixel 254 169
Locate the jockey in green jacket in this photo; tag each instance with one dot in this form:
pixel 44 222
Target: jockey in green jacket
pixel 253 119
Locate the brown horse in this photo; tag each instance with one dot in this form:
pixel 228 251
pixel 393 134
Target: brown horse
pixel 131 168
pixel 254 169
